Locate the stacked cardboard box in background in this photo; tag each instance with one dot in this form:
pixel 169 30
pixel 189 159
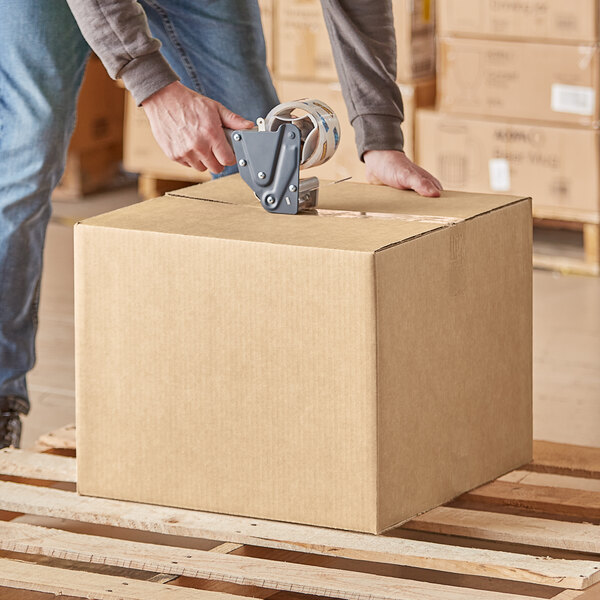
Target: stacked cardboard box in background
pixel 96 148
pixel 518 101
pixel 304 67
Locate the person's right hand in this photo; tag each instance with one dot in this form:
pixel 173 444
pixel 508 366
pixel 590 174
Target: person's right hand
pixel 189 127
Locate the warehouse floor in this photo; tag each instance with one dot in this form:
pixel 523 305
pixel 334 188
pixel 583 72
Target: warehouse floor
pixel 566 340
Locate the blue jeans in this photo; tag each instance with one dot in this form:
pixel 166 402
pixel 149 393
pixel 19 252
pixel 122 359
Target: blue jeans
pixel 217 48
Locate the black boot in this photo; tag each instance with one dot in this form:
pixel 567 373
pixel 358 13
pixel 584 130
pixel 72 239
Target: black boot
pixel 10 429
pixel 11 409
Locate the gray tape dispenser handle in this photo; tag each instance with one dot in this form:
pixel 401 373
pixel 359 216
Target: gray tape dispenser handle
pixel 270 156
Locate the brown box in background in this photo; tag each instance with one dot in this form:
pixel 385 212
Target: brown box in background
pixel 303 50
pixel 345 162
pixel 142 154
pixel 267 17
pixel 414 22
pixel 342 369
pixel 99 110
pixel 545 82
pixel 558 166
pixel 528 20
pixel 96 148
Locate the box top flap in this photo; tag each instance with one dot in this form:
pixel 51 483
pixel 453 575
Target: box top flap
pixel 351 216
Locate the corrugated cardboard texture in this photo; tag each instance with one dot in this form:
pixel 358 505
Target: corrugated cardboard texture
pixel 454 368
pixel 236 361
pixel 558 166
pixel 517 80
pixel 528 20
pixel 349 196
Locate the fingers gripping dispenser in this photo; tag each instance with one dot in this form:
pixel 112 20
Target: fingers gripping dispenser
pixel 293 136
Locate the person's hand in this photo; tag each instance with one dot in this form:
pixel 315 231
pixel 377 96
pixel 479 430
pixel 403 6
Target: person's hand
pixel 189 127
pixel 394 168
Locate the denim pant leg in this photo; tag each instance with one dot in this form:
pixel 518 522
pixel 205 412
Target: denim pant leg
pixel 218 49
pixel 42 60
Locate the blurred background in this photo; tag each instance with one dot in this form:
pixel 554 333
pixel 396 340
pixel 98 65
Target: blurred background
pixel 499 97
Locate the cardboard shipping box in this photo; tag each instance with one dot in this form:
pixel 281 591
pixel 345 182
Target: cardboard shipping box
pixel 96 147
pixel 267 16
pixel 541 20
pixel 345 162
pixel 545 82
pixel 303 50
pixel 142 154
pixel 348 369
pixel 558 166
pixel 99 110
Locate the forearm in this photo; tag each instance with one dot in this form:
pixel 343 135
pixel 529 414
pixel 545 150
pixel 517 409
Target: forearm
pixel 117 31
pixel 364 48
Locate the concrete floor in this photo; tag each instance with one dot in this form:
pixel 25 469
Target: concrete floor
pixel 566 340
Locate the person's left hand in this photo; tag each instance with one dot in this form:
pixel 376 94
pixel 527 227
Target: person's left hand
pixel 394 168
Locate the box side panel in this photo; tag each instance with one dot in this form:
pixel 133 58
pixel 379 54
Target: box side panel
pixel 226 376
pixel 555 83
pixel 454 360
pixel 542 20
pixel 555 165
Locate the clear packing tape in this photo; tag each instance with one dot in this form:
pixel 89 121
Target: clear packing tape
pixel 318 124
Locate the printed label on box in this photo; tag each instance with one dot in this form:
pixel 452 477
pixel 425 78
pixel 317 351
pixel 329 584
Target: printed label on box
pixel 574 99
pixel 499 175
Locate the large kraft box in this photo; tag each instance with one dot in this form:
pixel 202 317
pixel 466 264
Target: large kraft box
pixel 545 82
pixel 349 368
pixel 345 162
pixel 303 50
pixel 541 20
pixel 558 166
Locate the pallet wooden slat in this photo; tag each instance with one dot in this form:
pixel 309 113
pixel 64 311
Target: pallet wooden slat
pixel 33 465
pixel 515 529
pixel 240 570
pixel 551 480
pixel 561 501
pixel 52 580
pixel 579 461
pixel 63 439
pixel 471 561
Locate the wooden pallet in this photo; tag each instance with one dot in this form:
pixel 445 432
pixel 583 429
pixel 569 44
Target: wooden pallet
pixel 151 185
pixel 533 533
pixel 582 260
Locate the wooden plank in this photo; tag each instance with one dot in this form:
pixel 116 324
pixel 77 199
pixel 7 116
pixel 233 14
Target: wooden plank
pixel 565 265
pixel 153 186
pixel 592 593
pixel 38 578
pixel 566 214
pixel 580 537
pixel 386 549
pixel 568 459
pixel 226 548
pixel 33 465
pixel 551 480
pixel 241 570
pixel 559 501
pixel 591 243
pixel 63 438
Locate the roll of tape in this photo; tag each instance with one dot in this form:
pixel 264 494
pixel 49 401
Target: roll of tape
pixel 318 124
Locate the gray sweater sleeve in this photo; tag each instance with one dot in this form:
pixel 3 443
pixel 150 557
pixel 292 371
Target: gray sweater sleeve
pixel 117 31
pixel 364 48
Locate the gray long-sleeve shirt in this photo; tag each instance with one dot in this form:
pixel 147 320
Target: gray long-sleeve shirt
pixel 362 38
